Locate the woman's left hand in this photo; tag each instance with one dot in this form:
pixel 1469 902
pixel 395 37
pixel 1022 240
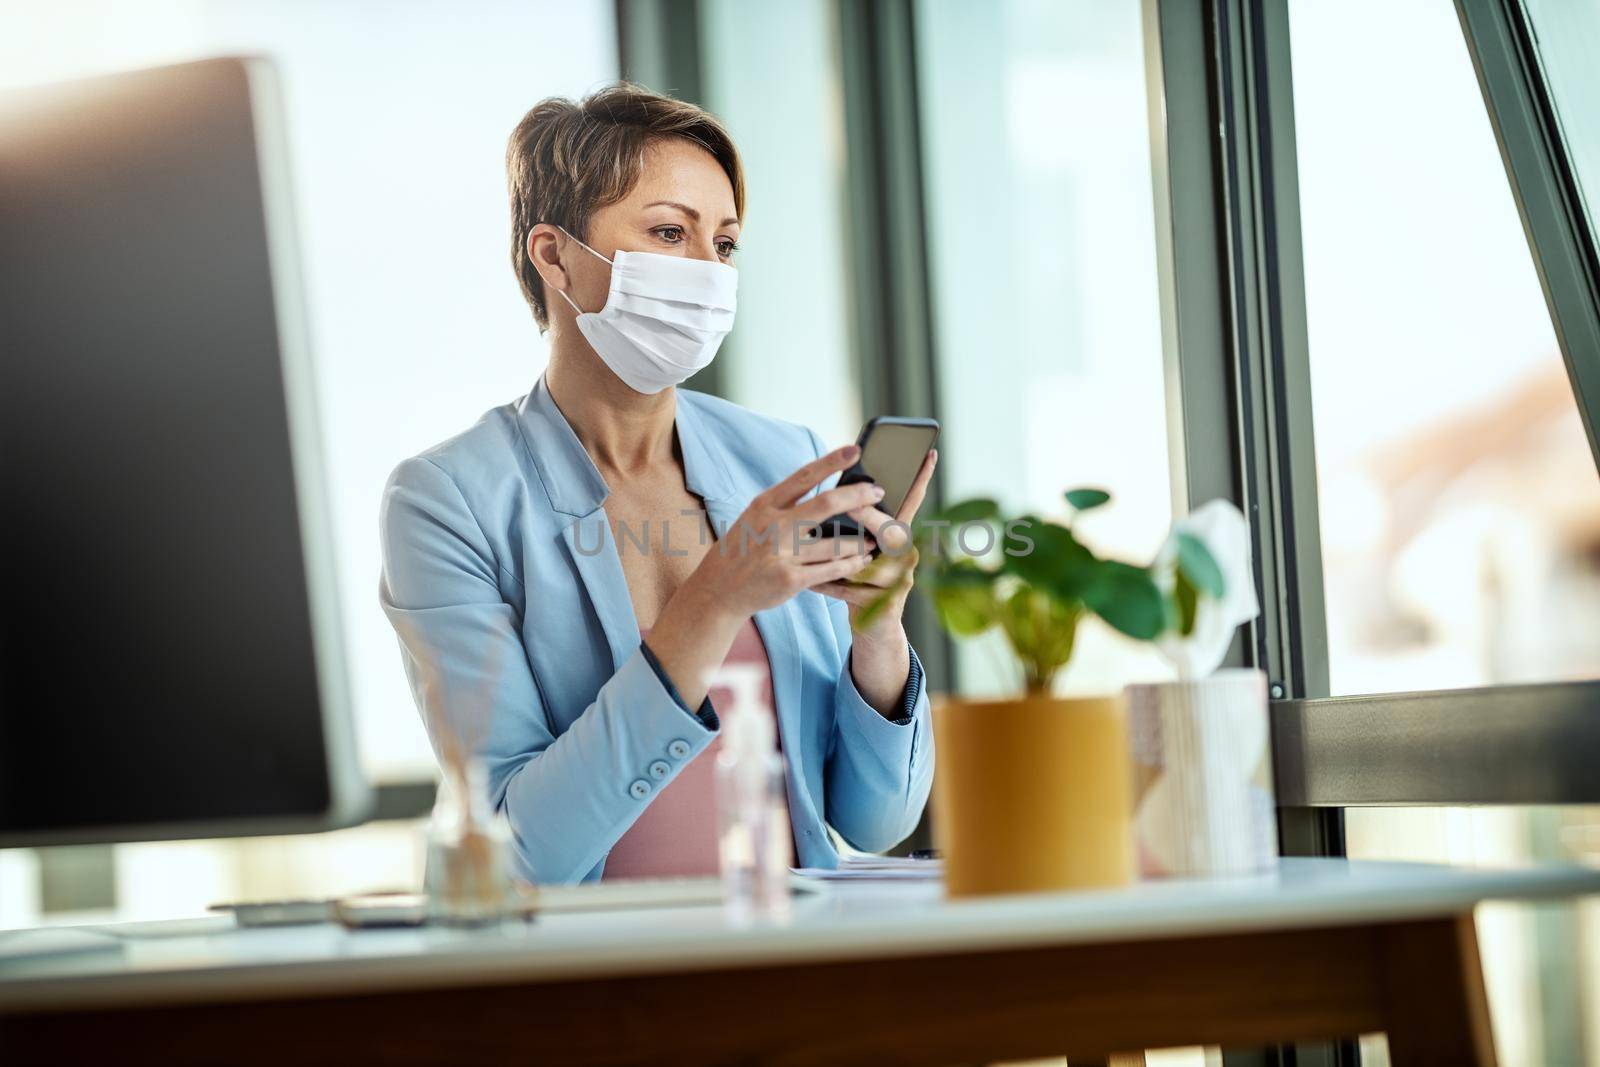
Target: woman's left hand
pixel 880 662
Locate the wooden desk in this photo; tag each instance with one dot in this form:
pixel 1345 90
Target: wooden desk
pixel 881 974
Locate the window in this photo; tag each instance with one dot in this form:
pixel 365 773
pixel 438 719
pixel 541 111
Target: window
pixel 1036 157
pixel 1460 506
pixel 1459 501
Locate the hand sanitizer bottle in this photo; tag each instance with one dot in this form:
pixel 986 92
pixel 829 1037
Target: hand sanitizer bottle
pixel 754 837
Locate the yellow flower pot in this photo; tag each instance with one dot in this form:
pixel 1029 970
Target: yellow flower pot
pixel 1033 794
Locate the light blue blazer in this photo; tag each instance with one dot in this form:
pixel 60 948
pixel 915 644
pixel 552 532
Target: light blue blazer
pixel 503 583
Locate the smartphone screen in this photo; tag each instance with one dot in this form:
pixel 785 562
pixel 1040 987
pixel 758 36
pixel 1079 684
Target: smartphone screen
pixel 892 454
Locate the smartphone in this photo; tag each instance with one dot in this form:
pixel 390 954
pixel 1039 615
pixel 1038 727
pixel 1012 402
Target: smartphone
pixel 892 452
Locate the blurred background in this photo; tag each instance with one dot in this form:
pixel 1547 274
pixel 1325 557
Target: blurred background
pixel 955 222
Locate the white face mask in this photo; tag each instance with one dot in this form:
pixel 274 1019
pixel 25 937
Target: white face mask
pixel 665 316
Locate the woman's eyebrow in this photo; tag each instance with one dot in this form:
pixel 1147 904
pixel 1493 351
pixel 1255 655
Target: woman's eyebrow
pixel 687 210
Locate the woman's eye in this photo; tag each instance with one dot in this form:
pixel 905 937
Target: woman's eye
pixel 726 248
pixel 670 234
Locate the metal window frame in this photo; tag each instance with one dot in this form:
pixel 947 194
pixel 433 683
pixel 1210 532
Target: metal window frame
pixel 658 46
pixel 1233 302
pixel 1504 52
pixel 1513 744
pixel 1232 289
pixel 891 303
pixel 893 319
pixel 1232 285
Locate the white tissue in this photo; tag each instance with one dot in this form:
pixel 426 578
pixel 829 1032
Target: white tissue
pixel 1222 528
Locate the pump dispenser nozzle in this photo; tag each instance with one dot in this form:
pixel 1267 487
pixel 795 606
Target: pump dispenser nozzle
pixel 748 725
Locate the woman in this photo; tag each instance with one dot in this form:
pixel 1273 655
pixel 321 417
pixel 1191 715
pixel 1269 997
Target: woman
pixel 570 573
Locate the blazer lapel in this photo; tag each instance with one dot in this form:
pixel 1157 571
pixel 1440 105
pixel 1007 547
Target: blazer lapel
pixel 594 556
pixel 776 626
pixel 577 491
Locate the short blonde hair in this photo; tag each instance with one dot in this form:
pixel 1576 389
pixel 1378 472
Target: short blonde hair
pixel 567 159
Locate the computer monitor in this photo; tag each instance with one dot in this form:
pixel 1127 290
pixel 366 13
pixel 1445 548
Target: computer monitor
pixel 168 622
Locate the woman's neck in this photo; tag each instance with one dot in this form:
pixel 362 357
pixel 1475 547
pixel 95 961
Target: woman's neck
pixel 624 432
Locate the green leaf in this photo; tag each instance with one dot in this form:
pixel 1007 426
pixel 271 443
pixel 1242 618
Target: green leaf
pixel 1196 563
pixel 1127 599
pixel 1187 600
pixel 962 572
pixel 1058 632
pixel 960 575
pixel 1018 618
pixel 1017 540
pixel 979 509
pixel 1084 499
pixel 1058 564
pixel 965 610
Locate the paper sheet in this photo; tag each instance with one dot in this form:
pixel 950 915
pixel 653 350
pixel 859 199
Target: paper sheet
pixel 876 869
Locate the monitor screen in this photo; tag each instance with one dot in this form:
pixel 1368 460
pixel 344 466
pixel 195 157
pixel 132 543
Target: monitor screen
pixel 171 662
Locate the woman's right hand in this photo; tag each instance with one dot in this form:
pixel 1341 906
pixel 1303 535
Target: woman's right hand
pixel 767 556
pixel 771 551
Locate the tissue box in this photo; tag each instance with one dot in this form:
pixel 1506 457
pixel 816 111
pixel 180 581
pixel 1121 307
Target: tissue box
pixel 1202 772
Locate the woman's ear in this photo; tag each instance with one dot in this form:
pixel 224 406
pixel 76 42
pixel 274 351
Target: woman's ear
pixel 544 243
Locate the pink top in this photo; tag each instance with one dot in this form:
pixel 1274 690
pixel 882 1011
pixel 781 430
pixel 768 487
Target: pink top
pixel 676 834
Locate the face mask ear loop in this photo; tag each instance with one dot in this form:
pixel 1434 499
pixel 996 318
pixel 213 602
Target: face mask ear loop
pixel 587 249
pixel 571 302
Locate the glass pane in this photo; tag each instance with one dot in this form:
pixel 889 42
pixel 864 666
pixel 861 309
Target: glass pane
pixel 1567 35
pixel 1460 505
pixel 1037 161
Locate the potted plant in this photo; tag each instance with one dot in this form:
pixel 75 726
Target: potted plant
pixel 1037 791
